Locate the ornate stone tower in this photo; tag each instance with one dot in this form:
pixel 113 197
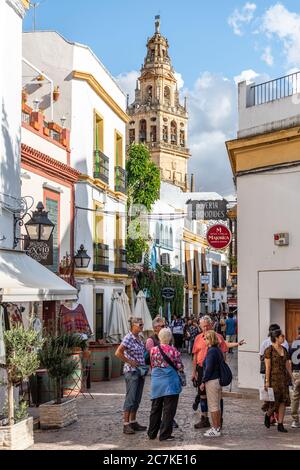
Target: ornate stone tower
pixel 157 117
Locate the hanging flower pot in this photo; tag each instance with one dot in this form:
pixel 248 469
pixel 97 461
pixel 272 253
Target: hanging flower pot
pixel 56 93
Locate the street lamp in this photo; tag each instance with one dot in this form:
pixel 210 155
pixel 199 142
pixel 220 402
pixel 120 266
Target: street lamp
pixel 82 259
pixel 38 228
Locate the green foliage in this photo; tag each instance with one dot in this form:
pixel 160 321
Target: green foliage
pixel 155 281
pixel 21 353
pixel 55 357
pixel 20 411
pixel 135 250
pixel 143 177
pixel 143 187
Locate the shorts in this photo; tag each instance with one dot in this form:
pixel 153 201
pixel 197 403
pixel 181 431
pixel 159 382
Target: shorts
pixel 214 395
pixel 134 391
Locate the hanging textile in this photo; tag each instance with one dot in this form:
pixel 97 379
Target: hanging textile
pixel 74 321
pixel 14 315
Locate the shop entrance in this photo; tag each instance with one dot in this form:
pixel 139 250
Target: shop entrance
pixel 292 319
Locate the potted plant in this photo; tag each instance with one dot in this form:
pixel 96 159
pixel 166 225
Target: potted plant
pixel 21 362
pixel 56 93
pixel 56 357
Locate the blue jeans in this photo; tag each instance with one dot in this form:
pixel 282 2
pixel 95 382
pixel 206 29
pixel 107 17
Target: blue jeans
pixel 134 391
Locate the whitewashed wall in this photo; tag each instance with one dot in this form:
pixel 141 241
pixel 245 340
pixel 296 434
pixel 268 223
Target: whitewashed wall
pixel 11 13
pixel 268 203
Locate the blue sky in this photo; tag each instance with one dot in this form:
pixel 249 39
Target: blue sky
pixel 210 44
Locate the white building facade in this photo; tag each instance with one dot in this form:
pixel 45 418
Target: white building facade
pixel 265 161
pixel 94 108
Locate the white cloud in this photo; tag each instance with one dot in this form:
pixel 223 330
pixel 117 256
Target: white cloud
pixel 180 81
pixel 267 56
pixel 246 76
pixel 240 17
pixel 282 24
pixel 213 120
pixel 127 83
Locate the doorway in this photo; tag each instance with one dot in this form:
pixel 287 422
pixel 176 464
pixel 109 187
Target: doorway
pixel 99 316
pixel 292 319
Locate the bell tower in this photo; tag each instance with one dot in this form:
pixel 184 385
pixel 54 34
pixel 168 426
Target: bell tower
pixel 158 119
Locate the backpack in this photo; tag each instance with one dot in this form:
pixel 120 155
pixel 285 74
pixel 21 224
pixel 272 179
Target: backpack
pixel 225 374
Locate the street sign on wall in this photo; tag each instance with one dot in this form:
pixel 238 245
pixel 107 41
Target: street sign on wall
pixel 168 293
pixel 219 237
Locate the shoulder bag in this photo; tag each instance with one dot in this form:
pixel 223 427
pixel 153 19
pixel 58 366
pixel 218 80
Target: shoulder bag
pixel 181 374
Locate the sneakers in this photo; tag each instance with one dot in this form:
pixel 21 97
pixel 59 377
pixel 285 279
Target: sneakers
pixel 127 429
pixel 295 424
pixel 204 423
pixel 212 432
pixel 137 427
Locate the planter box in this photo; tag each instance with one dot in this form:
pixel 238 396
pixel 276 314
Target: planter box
pixel 17 437
pixel 58 416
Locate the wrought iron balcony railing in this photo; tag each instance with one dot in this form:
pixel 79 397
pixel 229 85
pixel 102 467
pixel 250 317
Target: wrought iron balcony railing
pixel 120 180
pixel 101 257
pixel 275 89
pixel 101 166
pixel 121 261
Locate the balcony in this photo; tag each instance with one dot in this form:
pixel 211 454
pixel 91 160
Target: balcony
pixel 101 258
pixel 277 89
pixel 101 166
pixel 120 180
pixel 121 261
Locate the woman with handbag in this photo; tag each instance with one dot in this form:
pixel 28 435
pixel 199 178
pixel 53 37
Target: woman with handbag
pixel 211 382
pixel 166 386
pixel 278 376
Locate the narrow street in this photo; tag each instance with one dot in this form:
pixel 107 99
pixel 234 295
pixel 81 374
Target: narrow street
pixel 100 424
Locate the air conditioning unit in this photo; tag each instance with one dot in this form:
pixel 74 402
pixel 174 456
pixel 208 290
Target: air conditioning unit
pixel 165 259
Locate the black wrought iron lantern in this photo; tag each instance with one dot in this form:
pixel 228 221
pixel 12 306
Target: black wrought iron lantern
pixel 82 259
pixel 39 227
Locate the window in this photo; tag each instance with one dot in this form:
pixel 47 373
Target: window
pixel 165 134
pixel 166 240
pixel 143 131
pixel 99 316
pixel 173 133
pixel 182 138
pixel 52 205
pixel 149 94
pixel 131 136
pixel 98 133
pixel 167 95
pixel 215 276
pixel 157 234
pixel 153 134
pixel 223 276
pixel 161 238
pixel 171 239
pixel 119 150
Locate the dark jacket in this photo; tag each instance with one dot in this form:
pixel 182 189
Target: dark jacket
pixel 212 364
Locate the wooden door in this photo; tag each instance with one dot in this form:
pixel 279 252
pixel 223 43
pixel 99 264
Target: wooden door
pixel 292 319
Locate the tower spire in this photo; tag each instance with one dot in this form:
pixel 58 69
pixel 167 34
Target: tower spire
pixel 157 24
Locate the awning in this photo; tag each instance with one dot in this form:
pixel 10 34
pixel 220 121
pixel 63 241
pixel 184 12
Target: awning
pixel 24 280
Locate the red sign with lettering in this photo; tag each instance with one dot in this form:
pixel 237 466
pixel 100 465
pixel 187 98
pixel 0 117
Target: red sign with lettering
pixel 219 237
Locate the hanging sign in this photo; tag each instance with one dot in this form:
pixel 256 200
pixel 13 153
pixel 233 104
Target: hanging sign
pixel 42 252
pixel 168 293
pixel 219 237
pixel 207 210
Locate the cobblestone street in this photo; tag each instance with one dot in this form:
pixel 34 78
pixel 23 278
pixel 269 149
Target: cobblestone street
pixel 100 424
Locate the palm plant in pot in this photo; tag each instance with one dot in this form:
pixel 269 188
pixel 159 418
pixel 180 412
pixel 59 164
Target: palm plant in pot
pixel 21 347
pixel 57 357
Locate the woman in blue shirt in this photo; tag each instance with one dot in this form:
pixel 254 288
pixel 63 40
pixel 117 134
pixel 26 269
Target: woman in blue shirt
pixel 211 382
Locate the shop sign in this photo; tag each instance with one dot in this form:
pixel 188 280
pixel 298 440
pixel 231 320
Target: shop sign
pixel 219 237
pixel 168 293
pixel 42 252
pixel 207 210
pixel 205 279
